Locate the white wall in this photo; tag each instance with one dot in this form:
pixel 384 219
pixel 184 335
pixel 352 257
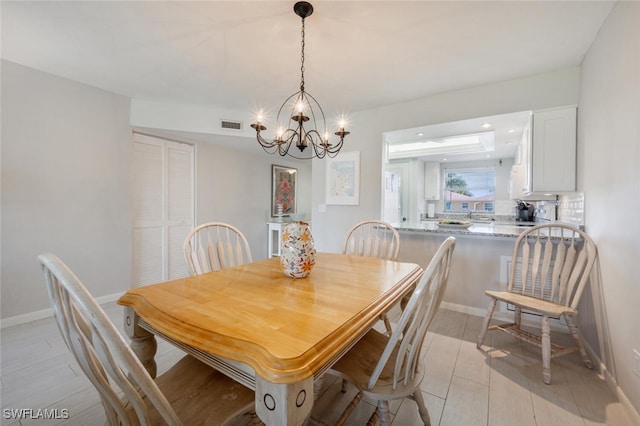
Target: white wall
pixel 66 166
pixel 66 185
pixel 608 173
pixel 235 187
pixel 540 91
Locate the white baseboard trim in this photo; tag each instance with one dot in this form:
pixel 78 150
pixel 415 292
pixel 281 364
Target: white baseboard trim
pixel 500 316
pixel 479 312
pixel 464 309
pixel 600 367
pixel 46 313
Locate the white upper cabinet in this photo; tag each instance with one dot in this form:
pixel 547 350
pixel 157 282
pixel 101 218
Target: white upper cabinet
pixel 552 157
pixel 431 180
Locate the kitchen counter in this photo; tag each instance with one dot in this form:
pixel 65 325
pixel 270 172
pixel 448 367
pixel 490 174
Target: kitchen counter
pixel 477 229
pixel 480 261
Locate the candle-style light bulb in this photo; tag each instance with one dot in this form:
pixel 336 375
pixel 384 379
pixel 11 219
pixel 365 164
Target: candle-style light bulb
pixel 279 132
pixel 342 123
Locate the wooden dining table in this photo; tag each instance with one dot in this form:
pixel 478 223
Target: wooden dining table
pixel 275 334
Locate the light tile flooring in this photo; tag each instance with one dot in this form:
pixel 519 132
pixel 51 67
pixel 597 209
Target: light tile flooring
pixel 501 385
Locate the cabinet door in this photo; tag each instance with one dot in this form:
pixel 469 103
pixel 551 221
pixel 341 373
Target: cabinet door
pixel 431 181
pixel 554 150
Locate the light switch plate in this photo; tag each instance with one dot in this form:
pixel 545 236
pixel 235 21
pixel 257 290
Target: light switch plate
pixel 636 362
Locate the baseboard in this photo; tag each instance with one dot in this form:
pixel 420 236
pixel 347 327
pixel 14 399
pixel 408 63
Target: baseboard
pixel 600 367
pixel 46 313
pixel 479 312
pixel 501 316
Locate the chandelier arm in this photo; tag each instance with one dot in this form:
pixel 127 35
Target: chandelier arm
pixel 263 142
pixel 313 113
pixel 317 143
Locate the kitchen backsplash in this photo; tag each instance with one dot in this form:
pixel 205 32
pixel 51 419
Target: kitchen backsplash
pixel 570 209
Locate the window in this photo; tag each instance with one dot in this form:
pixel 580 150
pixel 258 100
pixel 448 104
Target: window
pixel 470 190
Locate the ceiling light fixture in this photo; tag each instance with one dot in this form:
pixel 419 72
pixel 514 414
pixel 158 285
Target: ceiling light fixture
pixel 303 107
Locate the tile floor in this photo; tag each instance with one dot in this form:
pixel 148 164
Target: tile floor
pixel 501 385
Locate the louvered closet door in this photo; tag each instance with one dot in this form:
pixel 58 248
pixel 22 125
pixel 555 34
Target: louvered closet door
pixel 163 178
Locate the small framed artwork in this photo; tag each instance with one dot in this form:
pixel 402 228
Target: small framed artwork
pixel 343 179
pixel 284 185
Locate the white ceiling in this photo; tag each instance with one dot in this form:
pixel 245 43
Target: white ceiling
pixel 507 131
pixel 246 55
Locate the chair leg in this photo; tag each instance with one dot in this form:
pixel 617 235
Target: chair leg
pixel 347 411
pixel 383 412
pixel 373 420
pixel 255 420
pixel 517 316
pixel 485 323
pixel 422 409
pixel 387 324
pixel 546 350
pixel 576 336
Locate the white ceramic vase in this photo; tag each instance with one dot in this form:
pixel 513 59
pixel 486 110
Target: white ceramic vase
pixel 298 253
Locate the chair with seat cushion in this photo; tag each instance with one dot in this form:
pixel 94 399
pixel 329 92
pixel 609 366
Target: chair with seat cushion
pixel 213 246
pixel 551 265
pixel 189 393
pixel 373 238
pixel 386 368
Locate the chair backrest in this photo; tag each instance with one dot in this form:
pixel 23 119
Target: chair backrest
pixel 373 238
pixel 405 343
pixel 213 246
pixel 552 262
pixel 101 351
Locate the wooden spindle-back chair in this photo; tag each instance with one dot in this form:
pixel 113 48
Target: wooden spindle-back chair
pixel 373 238
pixel 550 268
pixel 386 368
pixel 188 393
pixel 213 246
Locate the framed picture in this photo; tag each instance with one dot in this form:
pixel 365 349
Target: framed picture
pixel 284 186
pixel 343 179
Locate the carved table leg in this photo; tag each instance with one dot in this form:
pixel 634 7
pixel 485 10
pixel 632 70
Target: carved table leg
pixel 284 404
pixel 317 387
pixel 143 343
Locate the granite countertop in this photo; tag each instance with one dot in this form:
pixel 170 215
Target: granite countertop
pixel 483 229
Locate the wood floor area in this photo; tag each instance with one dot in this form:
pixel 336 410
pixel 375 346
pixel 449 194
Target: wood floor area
pixel 501 385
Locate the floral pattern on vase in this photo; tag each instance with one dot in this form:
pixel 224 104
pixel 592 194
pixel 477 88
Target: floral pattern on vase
pixel 298 253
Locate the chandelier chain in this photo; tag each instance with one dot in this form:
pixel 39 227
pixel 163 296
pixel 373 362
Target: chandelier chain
pixel 302 58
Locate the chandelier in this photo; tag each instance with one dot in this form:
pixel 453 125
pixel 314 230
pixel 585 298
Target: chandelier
pixel 302 108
